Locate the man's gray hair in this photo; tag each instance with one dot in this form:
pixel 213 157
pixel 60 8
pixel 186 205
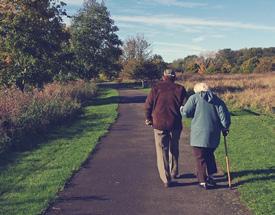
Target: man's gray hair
pixel 169 72
pixel 199 87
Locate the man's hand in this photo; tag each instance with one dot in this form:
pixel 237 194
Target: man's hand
pixel 225 132
pixel 148 122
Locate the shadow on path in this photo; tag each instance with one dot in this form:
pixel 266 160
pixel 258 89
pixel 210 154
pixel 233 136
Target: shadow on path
pixel 83 198
pixel 118 99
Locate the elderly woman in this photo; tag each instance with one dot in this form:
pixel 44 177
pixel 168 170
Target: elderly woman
pixel 210 117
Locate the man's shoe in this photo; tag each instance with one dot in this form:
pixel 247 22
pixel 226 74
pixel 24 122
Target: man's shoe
pixel 167 184
pixel 176 176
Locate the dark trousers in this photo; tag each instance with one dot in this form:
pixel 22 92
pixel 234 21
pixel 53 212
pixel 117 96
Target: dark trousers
pixel 205 160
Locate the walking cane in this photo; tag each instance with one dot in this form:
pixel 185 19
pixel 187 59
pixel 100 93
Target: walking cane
pixel 227 163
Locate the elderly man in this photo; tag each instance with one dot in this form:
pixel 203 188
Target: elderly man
pixel 210 117
pixel 162 111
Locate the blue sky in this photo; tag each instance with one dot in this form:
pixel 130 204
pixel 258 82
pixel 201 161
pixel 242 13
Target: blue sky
pixel 178 28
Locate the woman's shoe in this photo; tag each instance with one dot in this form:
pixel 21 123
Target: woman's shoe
pixel 204 186
pixel 210 181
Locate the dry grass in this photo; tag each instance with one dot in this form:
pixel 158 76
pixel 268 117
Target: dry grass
pixel 253 91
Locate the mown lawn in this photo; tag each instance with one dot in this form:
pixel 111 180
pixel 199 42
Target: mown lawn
pixel 251 151
pixel 251 145
pixel 29 180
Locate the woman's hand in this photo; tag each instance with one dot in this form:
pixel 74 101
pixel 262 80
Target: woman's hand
pixel 225 132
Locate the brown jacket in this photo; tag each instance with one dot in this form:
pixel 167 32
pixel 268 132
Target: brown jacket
pixel 163 103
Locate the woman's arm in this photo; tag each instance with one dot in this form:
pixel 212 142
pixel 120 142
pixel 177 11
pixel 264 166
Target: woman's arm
pixel 188 109
pixel 224 115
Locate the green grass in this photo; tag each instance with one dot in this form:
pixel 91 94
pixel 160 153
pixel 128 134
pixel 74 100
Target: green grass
pixel 29 180
pixel 251 145
pixel 146 90
pixel 251 151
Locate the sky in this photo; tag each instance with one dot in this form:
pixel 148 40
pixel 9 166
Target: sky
pixel 178 28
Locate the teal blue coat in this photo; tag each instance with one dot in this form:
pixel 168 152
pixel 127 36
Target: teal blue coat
pixel 209 116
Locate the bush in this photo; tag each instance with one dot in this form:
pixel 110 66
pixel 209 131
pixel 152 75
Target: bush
pixel 28 113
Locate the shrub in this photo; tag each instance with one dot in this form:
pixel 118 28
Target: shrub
pixel 28 113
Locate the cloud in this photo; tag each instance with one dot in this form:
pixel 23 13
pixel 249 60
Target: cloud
pixel 171 51
pixel 189 47
pixel 198 39
pixel 191 30
pixel 217 36
pixel 180 3
pixel 206 37
pixel 126 25
pixel 173 21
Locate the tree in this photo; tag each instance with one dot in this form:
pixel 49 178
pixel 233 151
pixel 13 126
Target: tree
pixel 210 69
pixel 138 62
pixel 159 62
pixel 202 64
pixel 190 64
pixel 150 69
pixel 226 67
pixel 209 65
pixel 94 40
pixel 130 69
pixel 249 65
pixel 153 68
pixel 265 64
pixel 32 36
pixel 227 55
pixel 178 65
pixel 136 48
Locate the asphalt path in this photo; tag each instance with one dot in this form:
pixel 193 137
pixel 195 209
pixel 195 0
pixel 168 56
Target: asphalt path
pixel 120 177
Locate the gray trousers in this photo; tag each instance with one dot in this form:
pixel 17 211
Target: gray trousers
pixel 167 149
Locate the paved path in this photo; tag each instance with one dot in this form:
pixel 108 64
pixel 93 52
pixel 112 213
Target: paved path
pixel 121 178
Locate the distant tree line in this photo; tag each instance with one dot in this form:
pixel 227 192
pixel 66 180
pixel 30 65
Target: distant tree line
pixel 36 47
pixel 252 60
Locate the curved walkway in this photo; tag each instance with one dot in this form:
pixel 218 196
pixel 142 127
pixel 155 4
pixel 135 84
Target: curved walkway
pixel 121 177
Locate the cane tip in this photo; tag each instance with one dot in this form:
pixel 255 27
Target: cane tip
pixel 231 188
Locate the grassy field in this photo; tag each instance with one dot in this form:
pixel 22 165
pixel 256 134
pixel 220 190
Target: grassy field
pixel 250 91
pixel 29 180
pixel 251 145
pixel 251 141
